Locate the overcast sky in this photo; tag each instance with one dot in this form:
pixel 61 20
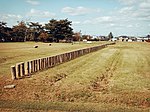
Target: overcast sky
pixel 94 17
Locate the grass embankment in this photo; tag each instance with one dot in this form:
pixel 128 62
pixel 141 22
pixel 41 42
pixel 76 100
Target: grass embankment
pixel 112 79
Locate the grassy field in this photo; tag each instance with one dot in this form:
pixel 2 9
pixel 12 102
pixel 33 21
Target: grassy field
pixel 12 53
pixel 116 78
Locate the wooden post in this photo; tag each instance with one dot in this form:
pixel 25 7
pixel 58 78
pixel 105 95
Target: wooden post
pixel 57 60
pixel 54 60
pixel 60 58
pixel 22 69
pixel 44 63
pixel 29 67
pixel 64 55
pixel 39 64
pixel 77 53
pixel 26 68
pixel 32 66
pixel 74 52
pixel 50 62
pixel 33 62
pixel 47 62
pixel 68 58
pixel 13 72
pixel 36 65
pixel 69 55
pixel 18 70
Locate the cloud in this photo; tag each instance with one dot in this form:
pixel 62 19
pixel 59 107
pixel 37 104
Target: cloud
pixel 130 26
pixel 100 20
pixel 126 10
pixel 112 24
pixel 144 10
pixel 87 22
pixel 137 10
pixel 33 2
pixel 78 11
pixel 11 16
pixel 128 2
pixel 76 22
pixel 145 5
pixel 40 14
pixel 7 17
pixel 103 19
pixel 11 19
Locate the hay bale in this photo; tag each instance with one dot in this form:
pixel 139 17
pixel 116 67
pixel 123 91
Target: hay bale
pixel 36 46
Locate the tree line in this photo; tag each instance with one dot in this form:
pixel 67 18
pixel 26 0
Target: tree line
pixel 53 31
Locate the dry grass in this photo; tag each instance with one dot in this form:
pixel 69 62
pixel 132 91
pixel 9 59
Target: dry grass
pixel 12 106
pixel 112 79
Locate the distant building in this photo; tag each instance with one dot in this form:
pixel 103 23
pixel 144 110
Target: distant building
pixel 127 38
pixel 103 38
pixel 113 39
pixel 123 38
pixel 84 40
pixel 140 39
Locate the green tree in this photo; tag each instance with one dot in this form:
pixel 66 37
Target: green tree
pixel 34 30
pixel 5 32
pixel 19 32
pixel 60 29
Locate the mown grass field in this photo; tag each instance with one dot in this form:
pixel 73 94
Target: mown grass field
pixel 116 78
pixel 12 53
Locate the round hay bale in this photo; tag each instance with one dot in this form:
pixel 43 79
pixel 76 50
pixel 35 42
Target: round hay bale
pixel 36 46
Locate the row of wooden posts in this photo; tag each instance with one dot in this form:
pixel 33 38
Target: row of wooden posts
pixel 24 69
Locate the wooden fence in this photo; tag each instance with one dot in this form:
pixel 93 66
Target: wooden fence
pixel 24 69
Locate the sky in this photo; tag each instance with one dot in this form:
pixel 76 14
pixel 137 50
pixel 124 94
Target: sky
pixel 93 17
